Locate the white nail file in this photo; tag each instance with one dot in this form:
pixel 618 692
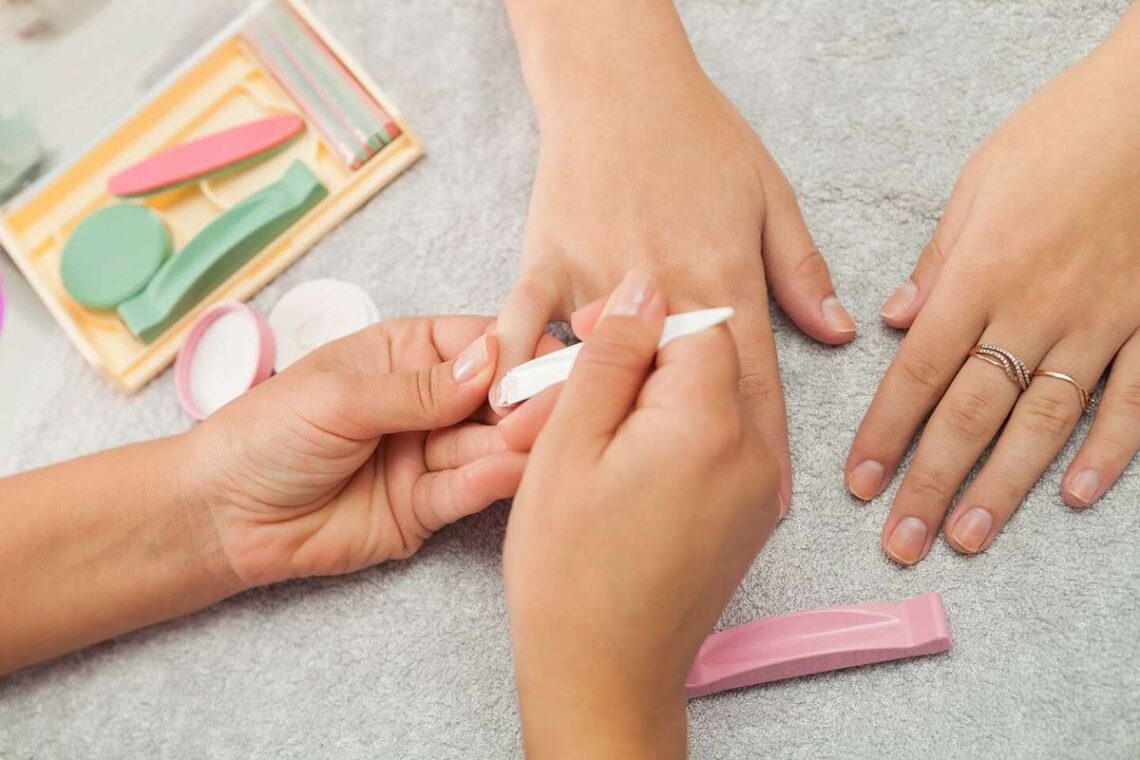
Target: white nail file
pixel 533 377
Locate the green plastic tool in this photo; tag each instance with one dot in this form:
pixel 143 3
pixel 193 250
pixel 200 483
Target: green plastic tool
pixel 112 255
pixel 219 250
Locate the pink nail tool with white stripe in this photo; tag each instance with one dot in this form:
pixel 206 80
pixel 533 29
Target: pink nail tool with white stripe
pixel 817 641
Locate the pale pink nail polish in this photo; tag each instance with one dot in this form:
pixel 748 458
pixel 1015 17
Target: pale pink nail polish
pixel 471 361
pixel 1084 486
pixel 973 528
pixel 632 295
pixel 866 480
pixel 907 541
pixel 899 301
pixel 836 316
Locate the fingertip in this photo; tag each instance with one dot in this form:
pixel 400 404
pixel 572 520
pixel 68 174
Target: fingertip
pixel 1081 487
pixel 901 308
pixel 840 325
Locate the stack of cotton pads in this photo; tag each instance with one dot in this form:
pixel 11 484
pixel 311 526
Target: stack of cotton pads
pixel 232 347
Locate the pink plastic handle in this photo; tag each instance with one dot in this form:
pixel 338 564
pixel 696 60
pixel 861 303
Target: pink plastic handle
pixel 816 641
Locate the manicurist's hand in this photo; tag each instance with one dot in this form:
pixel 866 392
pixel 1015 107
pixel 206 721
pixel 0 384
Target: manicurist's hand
pixel 358 453
pixel 1036 255
pixel 354 455
pixel 644 164
pixel 647 495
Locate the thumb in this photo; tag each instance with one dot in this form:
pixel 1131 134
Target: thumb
pixel 426 399
pixel 612 366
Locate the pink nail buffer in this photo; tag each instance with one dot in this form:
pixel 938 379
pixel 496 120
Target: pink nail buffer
pixel 228 149
pixel 816 641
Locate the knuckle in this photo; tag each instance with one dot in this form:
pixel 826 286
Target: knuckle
pixel 812 266
pixel 927 488
pixel 1124 400
pixel 427 389
pixel 920 371
pixel 1047 416
pixel 969 415
pixel 757 386
pixel 619 346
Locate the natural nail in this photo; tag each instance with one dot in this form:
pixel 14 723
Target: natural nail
pixel 866 480
pixel 907 540
pixel 973 528
pixel 836 316
pixel 473 360
pixel 632 295
pixel 1084 486
pixel 899 301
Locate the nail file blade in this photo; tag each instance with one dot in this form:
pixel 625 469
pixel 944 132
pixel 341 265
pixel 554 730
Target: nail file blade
pixel 533 377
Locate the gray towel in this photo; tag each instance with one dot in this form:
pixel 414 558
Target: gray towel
pixel 872 106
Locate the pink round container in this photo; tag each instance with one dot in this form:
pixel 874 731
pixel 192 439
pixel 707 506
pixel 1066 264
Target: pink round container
pixel 229 350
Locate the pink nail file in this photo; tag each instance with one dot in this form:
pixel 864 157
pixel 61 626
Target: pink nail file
pixel 816 641
pixel 228 149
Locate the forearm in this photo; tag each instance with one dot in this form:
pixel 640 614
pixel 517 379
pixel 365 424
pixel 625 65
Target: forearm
pixel 102 545
pixel 592 54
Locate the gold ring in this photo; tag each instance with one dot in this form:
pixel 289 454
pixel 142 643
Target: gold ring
pixel 1086 397
pixel 1007 361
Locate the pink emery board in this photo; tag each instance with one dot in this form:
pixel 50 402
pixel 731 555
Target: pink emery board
pixel 817 641
pixel 206 156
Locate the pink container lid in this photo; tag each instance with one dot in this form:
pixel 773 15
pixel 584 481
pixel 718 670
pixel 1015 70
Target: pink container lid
pixel 229 350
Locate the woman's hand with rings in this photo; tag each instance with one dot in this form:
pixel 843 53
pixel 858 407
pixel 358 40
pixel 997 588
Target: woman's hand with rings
pixel 1037 255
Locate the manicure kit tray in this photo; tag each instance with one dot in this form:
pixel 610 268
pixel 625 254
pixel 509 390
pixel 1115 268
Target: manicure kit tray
pixel 244 227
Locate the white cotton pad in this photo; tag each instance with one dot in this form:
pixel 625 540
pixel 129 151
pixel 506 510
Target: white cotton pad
pixel 316 312
pixel 227 351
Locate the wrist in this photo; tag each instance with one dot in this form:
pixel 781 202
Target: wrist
pixel 576 701
pixel 203 505
pixel 581 57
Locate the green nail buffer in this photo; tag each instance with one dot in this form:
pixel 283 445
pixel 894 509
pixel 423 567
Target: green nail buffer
pixel 219 250
pixel 112 254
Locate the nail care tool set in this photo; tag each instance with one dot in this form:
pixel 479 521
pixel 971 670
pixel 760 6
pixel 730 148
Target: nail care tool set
pixel 242 160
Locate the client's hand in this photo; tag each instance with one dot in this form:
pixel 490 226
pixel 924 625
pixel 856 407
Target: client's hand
pixel 647 495
pixel 1037 254
pixel 357 453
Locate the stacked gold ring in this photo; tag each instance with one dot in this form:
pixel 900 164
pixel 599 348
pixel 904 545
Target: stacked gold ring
pixel 1013 367
pixel 1085 396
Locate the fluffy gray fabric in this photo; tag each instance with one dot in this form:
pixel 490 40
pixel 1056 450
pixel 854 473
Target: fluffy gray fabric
pixel 871 106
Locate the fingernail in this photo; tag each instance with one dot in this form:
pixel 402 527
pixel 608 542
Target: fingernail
pixel 973 528
pixel 907 540
pixel 1084 485
pixel 471 361
pixel 783 505
pixel 866 480
pixel 836 316
pixel 899 301
pixel 631 295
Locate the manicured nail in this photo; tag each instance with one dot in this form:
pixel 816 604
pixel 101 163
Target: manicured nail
pixel 632 295
pixel 973 528
pixel 899 301
pixel 472 361
pixel 1084 485
pixel 836 316
pixel 866 480
pixel 907 540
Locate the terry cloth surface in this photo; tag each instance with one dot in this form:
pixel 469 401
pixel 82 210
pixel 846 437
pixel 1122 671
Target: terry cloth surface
pixel 872 106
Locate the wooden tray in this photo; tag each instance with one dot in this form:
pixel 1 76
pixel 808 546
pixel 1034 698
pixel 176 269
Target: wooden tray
pixel 222 86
